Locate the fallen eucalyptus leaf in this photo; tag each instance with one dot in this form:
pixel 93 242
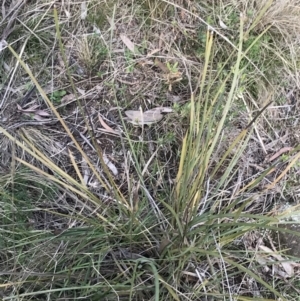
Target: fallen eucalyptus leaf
pixel 287 266
pixel 33 108
pixel 81 91
pixel 130 45
pixel 106 127
pixel 67 98
pixel 42 113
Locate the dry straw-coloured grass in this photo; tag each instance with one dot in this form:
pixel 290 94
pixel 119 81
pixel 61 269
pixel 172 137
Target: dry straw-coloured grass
pixel 95 208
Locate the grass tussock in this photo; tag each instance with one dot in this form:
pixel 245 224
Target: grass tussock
pixel 190 203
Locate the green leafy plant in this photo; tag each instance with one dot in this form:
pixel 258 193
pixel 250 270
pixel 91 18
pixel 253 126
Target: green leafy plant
pixel 173 68
pixel 57 96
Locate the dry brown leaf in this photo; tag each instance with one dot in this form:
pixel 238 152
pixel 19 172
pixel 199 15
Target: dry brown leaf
pixel 19 108
pixel 287 266
pixel 67 98
pixel 81 91
pixel 153 52
pixel 161 65
pixel 28 110
pixel 42 113
pixel 128 43
pixel 34 112
pixel 108 128
pixel 145 62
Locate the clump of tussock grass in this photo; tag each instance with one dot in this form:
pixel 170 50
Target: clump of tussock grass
pixel 189 228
